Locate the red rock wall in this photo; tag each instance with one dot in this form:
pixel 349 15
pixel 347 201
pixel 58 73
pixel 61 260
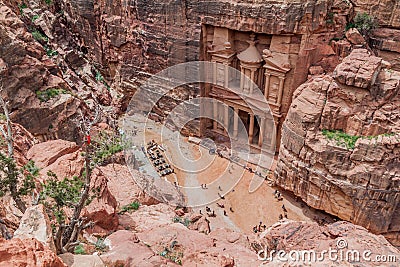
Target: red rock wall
pixel 361 183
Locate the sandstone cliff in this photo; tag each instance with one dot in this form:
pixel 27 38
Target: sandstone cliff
pixel 341 143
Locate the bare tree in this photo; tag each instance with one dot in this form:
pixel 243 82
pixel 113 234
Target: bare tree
pixel 67 234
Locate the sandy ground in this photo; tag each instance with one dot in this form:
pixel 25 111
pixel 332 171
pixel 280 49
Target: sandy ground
pixel 194 166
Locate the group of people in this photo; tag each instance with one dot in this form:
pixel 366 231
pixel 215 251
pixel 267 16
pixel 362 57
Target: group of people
pixel 260 227
pixel 154 154
pixel 209 211
pixel 278 195
pixel 284 213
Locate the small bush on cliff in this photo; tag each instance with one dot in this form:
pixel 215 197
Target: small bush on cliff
pixel 363 22
pixel 21 7
pixel 105 145
pixel 185 221
pixel 18 182
pixel 132 206
pixel 35 17
pixel 14 180
pixel 58 194
pixel 100 78
pixel 48 94
pixel 50 52
pixel 39 36
pixel 341 138
pixel 79 249
pixel 173 253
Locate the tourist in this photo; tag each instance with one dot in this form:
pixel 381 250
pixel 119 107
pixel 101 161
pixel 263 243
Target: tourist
pixel 280 217
pixel 284 208
pixel 225 213
pixel 231 209
pixel 219 188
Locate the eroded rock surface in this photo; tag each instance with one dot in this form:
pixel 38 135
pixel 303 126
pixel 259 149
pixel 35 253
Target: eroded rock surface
pixel 36 224
pixel 27 252
pixel 358 181
pixel 299 236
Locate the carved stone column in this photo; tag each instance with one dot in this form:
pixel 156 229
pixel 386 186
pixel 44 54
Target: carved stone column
pixel 235 123
pixel 251 128
pixel 215 113
pixel 266 90
pixel 226 118
pixel 262 132
pixel 281 83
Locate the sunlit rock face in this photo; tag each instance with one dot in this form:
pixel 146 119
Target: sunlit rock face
pixel 355 177
pixel 128 40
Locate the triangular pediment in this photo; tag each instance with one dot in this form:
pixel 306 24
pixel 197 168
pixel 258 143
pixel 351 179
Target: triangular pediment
pixel 277 61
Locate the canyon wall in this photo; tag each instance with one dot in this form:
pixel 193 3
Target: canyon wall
pixel 120 43
pixel 340 144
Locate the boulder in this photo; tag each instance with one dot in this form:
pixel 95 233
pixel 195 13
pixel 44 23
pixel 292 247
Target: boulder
pixel 359 69
pixel 290 235
pixel 117 175
pixel 316 70
pixel 200 223
pixel 36 224
pixel 165 236
pixel 148 217
pixel 102 210
pixel 59 156
pixel 355 37
pixel 74 260
pixel 126 250
pixel 27 252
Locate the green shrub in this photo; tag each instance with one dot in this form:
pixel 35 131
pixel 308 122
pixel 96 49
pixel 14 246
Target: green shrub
pixel 174 256
pixel 48 2
pixel 363 22
pixel 48 94
pixel 100 78
pixel 50 52
pixel 185 221
pixel 58 194
pixel 329 18
pixel 35 17
pixel 100 244
pixel 370 137
pixel 132 206
pixel 341 138
pixel 106 145
pixel 79 249
pixel 40 37
pixel 21 7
